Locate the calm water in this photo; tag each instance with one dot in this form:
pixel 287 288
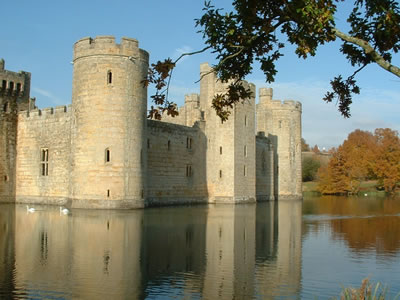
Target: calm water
pixel 272 250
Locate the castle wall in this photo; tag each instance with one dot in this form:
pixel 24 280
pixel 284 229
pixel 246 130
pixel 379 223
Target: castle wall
pixel 189 113
pixel 264 169
pixel 230 144
pixel 245 149
pixel 220 171
pixel 39 130
pixel 176 164
pixel 281 122
pixel 109 123
pixel 14 96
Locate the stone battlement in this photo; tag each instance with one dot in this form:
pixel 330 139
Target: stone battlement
pixel 266 95
pixel 47 112
pixel 13 83
pixel 106 45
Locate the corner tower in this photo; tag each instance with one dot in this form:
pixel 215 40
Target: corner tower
pixel 109 102
pixel 281 123
pixel 14 96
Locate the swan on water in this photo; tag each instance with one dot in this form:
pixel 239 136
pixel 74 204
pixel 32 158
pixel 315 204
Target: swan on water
pixel 30 209
pixel 64 211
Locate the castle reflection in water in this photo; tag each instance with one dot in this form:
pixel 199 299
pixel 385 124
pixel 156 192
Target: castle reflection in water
pixel 209 252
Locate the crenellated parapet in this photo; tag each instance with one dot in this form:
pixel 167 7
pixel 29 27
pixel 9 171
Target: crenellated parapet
pixel 14 83
pixel 46 113
pixel 266 95
pixel 106 45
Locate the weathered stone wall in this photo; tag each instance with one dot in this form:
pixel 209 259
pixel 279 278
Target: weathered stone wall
pixel 109 123
pixel 39 130
pixel 244 160
pixel 176 164
pixel 230 144
pixel 189 113
pixel 220 171
pixel 14 96
pixel 264 168
pixel 281 122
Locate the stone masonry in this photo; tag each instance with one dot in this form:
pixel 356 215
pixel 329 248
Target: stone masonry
pixel 102 152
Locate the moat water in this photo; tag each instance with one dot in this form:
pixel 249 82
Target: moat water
pixel 285 250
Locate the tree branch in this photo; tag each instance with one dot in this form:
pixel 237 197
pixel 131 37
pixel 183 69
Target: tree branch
pixel 368 49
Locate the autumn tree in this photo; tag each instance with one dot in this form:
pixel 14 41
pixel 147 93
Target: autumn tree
pixel 315 149
pixel 259 30
pixel 363 156
pixel 387 164
pixel 333 178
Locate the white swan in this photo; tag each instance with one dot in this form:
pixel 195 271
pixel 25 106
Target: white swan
pixel 30 209
pixel 64 211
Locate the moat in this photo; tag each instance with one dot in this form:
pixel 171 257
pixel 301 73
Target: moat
pixel 295 250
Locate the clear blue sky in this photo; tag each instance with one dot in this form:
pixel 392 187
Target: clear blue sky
pixel 37 36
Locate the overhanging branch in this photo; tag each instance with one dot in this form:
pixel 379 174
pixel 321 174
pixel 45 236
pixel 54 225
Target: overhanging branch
pixel 368 49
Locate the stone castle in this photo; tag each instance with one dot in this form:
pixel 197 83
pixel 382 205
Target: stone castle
pixel 102 151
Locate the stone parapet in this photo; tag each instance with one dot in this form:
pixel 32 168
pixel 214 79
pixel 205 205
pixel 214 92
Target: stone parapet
pixel 106 45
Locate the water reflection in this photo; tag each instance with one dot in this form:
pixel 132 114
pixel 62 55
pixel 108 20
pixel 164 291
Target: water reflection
pixel 363 223
pixel 203 252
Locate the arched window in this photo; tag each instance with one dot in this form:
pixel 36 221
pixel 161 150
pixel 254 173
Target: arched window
pixel 220 150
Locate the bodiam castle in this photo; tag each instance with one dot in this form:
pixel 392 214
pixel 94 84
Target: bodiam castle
pixel 102 151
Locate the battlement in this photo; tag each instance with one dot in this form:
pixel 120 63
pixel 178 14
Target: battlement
pixel 192 98
pixel 106 45
pixel 13 83
pixel 47 112
pixel 266 94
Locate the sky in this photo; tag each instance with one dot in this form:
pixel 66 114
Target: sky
pixel 38 36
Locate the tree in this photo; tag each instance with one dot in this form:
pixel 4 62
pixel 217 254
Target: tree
pixel 310 166
pixel 363 156
pixel 304 146
pixel 315 149
pixel 257 30
pixel 387 166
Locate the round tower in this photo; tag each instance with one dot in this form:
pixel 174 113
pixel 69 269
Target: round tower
pixel 109 103
pixel 281 123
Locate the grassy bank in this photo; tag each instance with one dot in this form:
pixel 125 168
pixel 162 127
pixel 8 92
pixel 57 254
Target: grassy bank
pixel 366 188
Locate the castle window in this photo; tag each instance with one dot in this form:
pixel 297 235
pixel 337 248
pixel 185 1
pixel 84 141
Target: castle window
pixel 5 107
pixel 108 193
pixel 11 85
pixel 244 170
pixel 263 162
pixel 4 85
pixel 245 120
pixel 5 178
pixel 202 115
pixel 44 161
pixel 107 155
pixel 189 143
pixel 169 145
pixel 280 124
pixel 109 77
pixel 220 173
pixel 188 171
pixel 245 151
pixel 148 143
pixel 18 87
pixel 220 150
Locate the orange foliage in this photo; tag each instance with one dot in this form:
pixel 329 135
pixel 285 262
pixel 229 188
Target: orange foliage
pixel 363 156
pixel 387 167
